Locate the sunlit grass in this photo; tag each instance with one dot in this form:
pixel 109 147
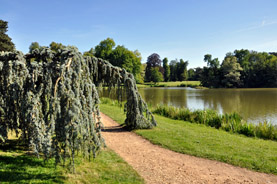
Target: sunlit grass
pixel 107 167
pixel 18 166
pixel 207 142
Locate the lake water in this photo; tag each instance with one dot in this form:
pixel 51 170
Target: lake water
pixel 254 105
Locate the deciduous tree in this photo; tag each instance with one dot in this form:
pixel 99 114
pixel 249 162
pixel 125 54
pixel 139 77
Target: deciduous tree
pixel 56 46
pixel 6 43
pixel 173 70
pixel 104 49
pixel 89 53
pixel 166 70
pixel 153 61
pixel 211 75
pixel 231 72
pixel 182 70
pixel 129 60
pixel 156 75
pixel 33 46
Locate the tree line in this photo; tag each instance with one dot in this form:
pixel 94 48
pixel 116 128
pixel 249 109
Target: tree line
pixel 241 68
pixel 158 70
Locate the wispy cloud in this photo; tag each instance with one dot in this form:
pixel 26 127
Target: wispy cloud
pixel 259 25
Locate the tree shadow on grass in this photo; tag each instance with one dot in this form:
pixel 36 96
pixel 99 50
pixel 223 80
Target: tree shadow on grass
pixel 115 129
pixel 23 168
pixel 13 145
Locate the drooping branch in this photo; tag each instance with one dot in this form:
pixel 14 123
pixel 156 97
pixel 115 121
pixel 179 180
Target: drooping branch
pixel 137 114
pixel 52 100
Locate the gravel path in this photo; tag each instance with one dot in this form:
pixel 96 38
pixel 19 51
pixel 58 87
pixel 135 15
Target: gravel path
pixel 159 165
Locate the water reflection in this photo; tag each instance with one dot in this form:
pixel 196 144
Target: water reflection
pixel 168 96
pixel 255 105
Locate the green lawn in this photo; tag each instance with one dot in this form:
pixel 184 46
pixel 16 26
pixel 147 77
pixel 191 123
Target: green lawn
pixel 17 166
pixel 202 141
pixel 171 84
pixel 107 167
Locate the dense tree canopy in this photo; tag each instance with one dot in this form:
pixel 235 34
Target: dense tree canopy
pixel 178 70
pixel 210 74
pixel 6 43
pixel 104 49
pixel 120 56
pixel 56 46
pixel 191 74
pixel 182 70
pixel 231 72
pixel 126 59
pixel 33 46
pixel 242 68
pixel 156 75
pixel 173 70
pixel 166 70
pixel 89 53
pixel 194 74
pixel 153 61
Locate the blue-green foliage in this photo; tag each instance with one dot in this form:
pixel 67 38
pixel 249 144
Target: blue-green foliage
pixel 50 97
pixel 228 122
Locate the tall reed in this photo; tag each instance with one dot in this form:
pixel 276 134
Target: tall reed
pixel 229 122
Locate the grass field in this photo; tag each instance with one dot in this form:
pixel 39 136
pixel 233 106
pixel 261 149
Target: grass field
pixel 171 84
pixel 207 142
pixel 17 166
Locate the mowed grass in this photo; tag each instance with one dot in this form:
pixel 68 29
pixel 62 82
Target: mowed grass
pixel 171 84
pixel 207 142
pixel 17 166
pixel 107 167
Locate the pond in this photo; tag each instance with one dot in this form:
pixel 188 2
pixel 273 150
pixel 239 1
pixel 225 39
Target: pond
pixel 254 105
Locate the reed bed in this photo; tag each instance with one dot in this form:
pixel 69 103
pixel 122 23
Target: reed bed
pixel 229 122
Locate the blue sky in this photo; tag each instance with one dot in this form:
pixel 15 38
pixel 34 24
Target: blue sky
pixel 186 29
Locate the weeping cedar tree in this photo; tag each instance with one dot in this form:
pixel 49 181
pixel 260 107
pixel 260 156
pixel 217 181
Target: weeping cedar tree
pixel 50 99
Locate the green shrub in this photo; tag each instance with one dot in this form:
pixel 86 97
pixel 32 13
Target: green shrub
pixel 247 129
pixel 266 131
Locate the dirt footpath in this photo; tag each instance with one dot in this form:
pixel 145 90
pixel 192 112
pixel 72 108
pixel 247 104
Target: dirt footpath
pixel 159 165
